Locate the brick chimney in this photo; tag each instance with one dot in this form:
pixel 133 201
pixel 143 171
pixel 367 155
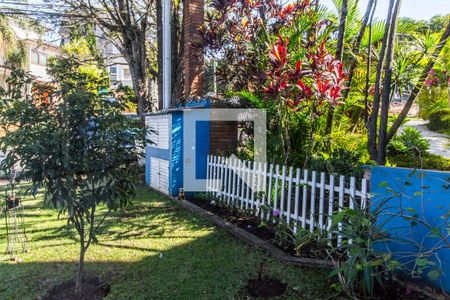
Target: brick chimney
pixel 193 57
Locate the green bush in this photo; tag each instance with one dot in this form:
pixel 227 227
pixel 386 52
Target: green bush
pixel 341 161
pixel 426 161
pixel 440 120
pixel 410 141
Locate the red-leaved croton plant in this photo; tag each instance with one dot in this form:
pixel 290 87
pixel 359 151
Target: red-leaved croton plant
pixel 319 77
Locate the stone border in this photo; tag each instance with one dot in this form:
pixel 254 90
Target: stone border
pixel 255 241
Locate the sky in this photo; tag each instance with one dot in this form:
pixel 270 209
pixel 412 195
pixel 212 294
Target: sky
pixel 416 9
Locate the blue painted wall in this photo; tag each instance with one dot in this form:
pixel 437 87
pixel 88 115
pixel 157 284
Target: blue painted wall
pixel 147 165
pixel 202 141
pixel 176 159
pixel 426 193
pixel 175 152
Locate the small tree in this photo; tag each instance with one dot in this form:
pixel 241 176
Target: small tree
pixel 76 143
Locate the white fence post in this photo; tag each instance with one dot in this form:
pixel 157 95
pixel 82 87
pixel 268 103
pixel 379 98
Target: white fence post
pixel 208 166
pixel 305 197
pixel 313 201
pixel 235 177
pixel 321 200
pixel 247 199
pixel 264 187
pixel 364 194
pixel 297 199
pixel 269 193
pixel 250 185
pixel 330 205
pixel 283 191
pixel 341 205
pixel 241 173
pixel 289 196
pixel 221 182
pixel 275 199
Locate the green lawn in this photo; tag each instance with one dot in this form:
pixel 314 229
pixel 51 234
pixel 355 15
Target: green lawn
pixel 199 261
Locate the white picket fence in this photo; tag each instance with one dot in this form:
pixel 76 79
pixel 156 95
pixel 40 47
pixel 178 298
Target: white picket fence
pixel 303 198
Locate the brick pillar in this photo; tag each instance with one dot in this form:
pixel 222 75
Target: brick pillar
pixel 193 56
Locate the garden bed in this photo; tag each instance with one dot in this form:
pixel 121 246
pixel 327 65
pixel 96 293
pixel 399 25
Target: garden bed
pixel 239 227
pixel 252 224
pixel 248 228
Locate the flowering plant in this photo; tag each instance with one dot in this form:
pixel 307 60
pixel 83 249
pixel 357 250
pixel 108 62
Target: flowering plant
pixel 239 32
pixel 310 81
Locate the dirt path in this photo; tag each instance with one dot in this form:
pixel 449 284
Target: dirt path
pixel 439 143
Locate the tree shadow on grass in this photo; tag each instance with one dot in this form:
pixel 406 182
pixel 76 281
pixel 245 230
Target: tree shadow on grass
pixel 142 219
pixel 155 250
pixel 215 266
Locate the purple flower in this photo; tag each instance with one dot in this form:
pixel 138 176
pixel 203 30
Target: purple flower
pixel 276 213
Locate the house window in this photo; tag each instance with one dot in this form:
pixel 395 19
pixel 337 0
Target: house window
pixel 35 57
pixel 42 59
pixel 113 70
pixel 126 73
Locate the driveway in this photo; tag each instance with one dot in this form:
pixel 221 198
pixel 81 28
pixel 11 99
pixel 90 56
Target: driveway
pixel 439 143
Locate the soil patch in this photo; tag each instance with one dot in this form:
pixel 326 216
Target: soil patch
pixel 266 287
pixel 246 222
pixel 91 289
pixel 252 225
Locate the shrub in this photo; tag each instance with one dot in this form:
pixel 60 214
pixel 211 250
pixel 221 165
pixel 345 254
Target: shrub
pixel 409 141
pixel 341 161
pixel 360 269
pixel 440 120
pixel 426 161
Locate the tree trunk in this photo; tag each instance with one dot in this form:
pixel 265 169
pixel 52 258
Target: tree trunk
pixel 339 56
pixel 369 62
pixel 136 56
pixel 80 269
pixel 373 120
pixel 386 96
pixel 353 63
pixel 140 87
pixel 418 87
pixel 79 225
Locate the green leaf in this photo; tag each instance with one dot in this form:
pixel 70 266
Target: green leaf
pixel 383 184
pixel 422 262
pixel 410 209
pixel 434 274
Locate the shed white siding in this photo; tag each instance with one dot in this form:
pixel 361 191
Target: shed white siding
pixel 159 174
pixel 159 132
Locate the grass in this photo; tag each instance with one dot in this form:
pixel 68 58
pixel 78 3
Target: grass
pixel 152 250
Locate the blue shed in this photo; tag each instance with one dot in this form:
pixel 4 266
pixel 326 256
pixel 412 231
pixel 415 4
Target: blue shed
pixel 164 157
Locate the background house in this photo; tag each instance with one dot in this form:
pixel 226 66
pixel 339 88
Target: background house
pixel 37 53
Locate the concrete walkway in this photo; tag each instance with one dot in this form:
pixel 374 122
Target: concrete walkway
pixel 439 143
